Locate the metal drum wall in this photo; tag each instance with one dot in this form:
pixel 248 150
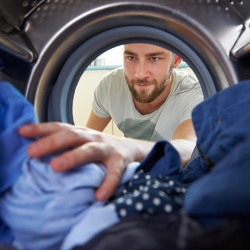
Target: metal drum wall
pixel 45 46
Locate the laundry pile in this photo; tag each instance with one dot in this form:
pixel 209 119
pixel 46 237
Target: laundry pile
pixel 42 209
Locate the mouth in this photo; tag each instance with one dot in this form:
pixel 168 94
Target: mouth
pixel 142 85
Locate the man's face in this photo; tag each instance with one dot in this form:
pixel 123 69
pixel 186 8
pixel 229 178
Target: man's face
pixel 148 69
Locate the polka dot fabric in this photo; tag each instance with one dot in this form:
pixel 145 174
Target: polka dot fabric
pixel 146 195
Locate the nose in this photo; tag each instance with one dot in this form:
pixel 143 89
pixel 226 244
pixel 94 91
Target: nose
pixel 142 70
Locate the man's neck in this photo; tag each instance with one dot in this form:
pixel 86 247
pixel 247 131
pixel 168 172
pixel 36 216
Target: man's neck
pixel 148 108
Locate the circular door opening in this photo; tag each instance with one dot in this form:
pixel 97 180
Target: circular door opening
pixel 61 101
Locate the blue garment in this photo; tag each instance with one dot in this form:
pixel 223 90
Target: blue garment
pixel 222 126
pixel 13 113
pixel 49 210
pixel 41 206
pixel 218 180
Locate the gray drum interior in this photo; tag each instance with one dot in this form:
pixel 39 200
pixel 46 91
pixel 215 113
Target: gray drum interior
pixel 61 101
pixel 54 42
pixel 94 26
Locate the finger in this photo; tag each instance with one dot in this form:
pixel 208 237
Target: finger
pixel 42 129
pixel 90 152
pixel 56 142
pixel 94 152
pixel 110 183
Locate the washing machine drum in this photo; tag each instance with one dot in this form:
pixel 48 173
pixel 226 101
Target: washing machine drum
pixel 45 46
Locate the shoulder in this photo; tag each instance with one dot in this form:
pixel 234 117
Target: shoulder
pixel 114 75
pixel 183 82
pixel 112 79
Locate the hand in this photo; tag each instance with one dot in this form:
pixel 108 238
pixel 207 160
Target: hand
pixel 85 145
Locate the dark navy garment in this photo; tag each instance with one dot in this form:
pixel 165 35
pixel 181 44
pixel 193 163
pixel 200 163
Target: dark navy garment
pixel 157 186
pixel 150 195
pixel 163 160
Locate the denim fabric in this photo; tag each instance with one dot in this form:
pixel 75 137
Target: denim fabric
pixel 222 126
pixel 221 121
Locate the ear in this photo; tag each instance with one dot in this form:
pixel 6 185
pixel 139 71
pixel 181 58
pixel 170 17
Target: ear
pixel 177 61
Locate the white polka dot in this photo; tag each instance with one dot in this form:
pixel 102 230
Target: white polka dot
pixel 178 189
pixel 129 202
pixel 148 183
pixel 183 190
pixel 124 191
pixel 138 206
pixel 120 200
pixel 123 212
pixel 136 193
pixel 130 184
pixel 148 177
pixel 150 210
pixel 171 183
pixel 157 182
pixel 156 201
pixel 141 188
pixel 167 208
pixel 136 176
pixel 145 196
pixel 141 171
pixel 145 189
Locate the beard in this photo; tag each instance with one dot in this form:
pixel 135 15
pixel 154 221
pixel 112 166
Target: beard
pixel 142 95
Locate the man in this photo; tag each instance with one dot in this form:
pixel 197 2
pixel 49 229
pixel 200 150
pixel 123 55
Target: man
pixel 147 99
pixel 115 153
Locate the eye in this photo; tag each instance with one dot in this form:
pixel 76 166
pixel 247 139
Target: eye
pixel 131 58
pixel 154 59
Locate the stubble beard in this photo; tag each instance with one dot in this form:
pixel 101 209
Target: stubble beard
pixel 142 95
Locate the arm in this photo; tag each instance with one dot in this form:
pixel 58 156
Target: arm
pixel 86 145
pixel 184 140
pixel 96 122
